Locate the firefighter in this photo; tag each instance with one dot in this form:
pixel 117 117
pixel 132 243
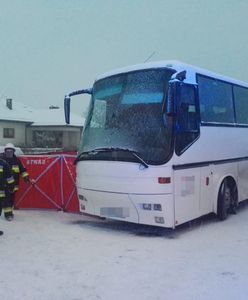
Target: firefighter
pixel 17 169
pixel 6 183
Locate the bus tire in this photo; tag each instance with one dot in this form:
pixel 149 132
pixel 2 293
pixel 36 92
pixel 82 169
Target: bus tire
pixel 234 200
pixel 224 200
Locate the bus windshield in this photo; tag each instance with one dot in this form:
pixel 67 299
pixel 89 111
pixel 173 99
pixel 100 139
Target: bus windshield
pixel 126 114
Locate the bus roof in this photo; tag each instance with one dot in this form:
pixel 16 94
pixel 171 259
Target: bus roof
pixel 177 66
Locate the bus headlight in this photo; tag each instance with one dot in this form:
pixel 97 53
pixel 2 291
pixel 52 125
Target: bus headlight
pixel 159 220
pixel 157 207
pixel 147 206
pixel 150 206
pixel 81 197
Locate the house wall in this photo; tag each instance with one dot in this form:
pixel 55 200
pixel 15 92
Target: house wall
pixel 19 138
pixel 71 139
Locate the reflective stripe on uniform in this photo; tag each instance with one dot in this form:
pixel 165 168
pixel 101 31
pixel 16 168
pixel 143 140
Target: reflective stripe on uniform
pixel 1 168
pixel 15 169
pixel 2 194
pixel 25 174
pixel 7 209
pixel 10 180
pixel 16 188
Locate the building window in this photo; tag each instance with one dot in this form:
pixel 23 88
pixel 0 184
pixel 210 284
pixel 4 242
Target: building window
pixel 43 139
pixel 9 133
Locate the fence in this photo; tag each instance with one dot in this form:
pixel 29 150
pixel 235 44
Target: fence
pixel 53 183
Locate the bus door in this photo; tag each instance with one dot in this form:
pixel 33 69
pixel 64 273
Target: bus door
pixel 188 174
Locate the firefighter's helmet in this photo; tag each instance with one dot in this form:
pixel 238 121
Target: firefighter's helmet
pixel 9 146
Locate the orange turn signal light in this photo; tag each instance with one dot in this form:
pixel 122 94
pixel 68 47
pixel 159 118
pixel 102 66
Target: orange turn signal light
pixel 164 180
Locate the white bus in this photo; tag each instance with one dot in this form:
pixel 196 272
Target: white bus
pixel 163 143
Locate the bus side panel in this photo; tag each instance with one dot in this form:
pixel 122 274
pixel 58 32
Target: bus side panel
pixel 187 194
pixel 243 180
pixel 206 191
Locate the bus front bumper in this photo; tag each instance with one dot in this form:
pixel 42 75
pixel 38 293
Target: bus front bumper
pixel 153 209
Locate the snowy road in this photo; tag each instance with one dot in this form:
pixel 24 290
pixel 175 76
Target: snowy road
pixel 58 256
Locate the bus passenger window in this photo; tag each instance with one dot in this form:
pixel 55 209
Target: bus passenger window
pixel 241 104
pixel 216 101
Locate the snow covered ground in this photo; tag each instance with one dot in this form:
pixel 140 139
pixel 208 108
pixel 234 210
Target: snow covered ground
pixel 58 256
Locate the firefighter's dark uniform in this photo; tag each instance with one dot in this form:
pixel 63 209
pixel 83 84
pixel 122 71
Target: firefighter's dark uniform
pixel 6 182
pixel 17 169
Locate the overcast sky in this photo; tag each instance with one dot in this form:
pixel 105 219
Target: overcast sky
pixel 51 47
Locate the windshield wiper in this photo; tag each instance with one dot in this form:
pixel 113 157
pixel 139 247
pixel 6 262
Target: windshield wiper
pixel 79 157
pixel 134 153
pixel 111 149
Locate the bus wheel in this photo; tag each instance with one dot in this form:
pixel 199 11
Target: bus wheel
pixel 234 200
pixel 224 200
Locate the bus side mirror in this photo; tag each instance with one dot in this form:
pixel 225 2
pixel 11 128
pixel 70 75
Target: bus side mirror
pixel 67 108
pixel 171 101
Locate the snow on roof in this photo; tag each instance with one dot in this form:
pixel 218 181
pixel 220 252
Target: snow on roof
pixel 19 112
pixel 173 65
pixel 150 65
pixel 38 117
pixel 55 117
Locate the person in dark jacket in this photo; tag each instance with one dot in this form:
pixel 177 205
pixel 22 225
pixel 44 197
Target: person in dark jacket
pixel 17 169
pixel 6 183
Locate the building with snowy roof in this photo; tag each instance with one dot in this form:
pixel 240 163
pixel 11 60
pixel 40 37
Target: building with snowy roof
pixel 27 127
